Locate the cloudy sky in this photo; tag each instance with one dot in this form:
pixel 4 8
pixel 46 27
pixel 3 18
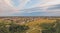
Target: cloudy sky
pixel 29 7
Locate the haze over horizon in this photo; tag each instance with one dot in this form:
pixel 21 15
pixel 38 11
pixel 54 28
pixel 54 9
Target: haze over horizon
pixel 29 7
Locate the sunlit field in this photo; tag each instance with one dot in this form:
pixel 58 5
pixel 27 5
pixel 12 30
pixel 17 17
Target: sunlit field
pixel 38 24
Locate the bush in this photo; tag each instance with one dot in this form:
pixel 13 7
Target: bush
pixel 48 28
pixel 51 28
pixel 12 28
pixel 18 28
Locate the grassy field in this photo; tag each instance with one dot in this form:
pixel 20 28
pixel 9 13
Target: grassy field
pixel 29 24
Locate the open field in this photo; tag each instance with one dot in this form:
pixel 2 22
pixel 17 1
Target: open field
pixel 30 24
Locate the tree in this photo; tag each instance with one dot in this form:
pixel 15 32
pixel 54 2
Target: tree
pixel 57 26
pixel 48 28
pixel 3 28
pixel 14 28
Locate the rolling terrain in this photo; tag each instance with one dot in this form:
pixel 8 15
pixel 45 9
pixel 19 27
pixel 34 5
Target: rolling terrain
pixel 32 22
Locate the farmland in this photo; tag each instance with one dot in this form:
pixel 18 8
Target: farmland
pixel 36 24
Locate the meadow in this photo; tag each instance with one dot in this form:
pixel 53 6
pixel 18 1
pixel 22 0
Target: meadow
pixel 38 24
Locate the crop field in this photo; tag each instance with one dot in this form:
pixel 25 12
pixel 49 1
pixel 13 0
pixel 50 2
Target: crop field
pixel 38 24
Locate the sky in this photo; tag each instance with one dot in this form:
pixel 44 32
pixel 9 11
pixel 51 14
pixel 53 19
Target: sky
pixel 29 7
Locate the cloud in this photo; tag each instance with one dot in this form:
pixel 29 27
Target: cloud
pixel 52 10
pixel 7 7
pixel 54 7
pixel 8 2
pixel 22 4
pixel 45 3
pixel 37 14
pixel 49 5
